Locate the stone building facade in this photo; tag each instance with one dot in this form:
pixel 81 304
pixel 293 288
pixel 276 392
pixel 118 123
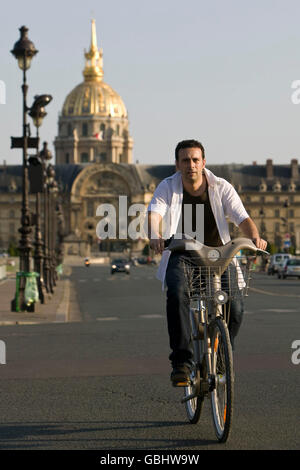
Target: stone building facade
pixel 270 193
pixel 94 167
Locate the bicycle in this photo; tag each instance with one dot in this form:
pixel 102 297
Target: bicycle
pixel 213 276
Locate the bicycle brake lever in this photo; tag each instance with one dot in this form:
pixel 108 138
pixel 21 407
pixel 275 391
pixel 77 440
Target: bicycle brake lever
pixel 258 249
pixel 263 251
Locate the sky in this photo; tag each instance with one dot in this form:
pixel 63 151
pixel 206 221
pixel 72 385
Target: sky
pixel 220 72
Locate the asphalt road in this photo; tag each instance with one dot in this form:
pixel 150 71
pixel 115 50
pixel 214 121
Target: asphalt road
pixel 101 381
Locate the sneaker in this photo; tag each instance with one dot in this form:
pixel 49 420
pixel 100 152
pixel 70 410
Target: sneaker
pixel 180 376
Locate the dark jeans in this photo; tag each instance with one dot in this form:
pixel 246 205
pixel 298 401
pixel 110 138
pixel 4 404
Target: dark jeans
pixel 178 313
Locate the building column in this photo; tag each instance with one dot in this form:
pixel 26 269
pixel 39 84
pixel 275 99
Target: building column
pixel 92 154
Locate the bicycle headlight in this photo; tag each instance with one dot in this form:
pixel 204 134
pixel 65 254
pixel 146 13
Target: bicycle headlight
pixel 213 255
pixel 221 297
pixel 114 266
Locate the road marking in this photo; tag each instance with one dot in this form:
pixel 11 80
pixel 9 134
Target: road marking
pixel 62 309
pixel 260 291
pixel 82 280
pixel 107 318
pixel 279 310
pixel 151 316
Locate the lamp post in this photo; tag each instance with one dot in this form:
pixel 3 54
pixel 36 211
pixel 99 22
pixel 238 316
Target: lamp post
pixel 37 113
pixel 24 51
pixel 287 242
pixel 50 209
pixel 46 156
pixel 262 223
pixel 60 232
pixel 54 192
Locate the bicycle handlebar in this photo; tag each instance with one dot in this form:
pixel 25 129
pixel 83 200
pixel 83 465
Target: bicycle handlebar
pixel 219 256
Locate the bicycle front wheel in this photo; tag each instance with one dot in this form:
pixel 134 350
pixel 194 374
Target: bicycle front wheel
pixel 222 371
pixel 194 405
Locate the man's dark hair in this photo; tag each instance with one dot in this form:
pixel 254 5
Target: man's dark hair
pixel 189 144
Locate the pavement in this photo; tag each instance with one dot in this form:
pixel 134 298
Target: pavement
pixel 56 308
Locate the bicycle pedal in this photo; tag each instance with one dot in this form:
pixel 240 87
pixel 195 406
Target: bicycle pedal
pixel 182 384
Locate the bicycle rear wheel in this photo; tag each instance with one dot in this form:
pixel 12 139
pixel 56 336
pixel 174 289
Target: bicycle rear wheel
pixel 222 370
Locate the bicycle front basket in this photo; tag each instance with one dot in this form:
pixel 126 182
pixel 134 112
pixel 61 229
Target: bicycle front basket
pixel 205 281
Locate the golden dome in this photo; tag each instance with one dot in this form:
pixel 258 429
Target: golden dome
pixel 93 96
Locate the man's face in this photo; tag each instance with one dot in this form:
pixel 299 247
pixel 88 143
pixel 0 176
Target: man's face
pixel 190 163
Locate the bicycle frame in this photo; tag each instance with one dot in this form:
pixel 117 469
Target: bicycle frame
pixel 202 347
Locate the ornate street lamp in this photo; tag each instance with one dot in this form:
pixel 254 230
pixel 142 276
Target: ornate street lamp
pixel 60 232
pixel 46 156
pixel 37 111
pixel 36 172
pixel 53 231
pixel 24 51
pixel 51 188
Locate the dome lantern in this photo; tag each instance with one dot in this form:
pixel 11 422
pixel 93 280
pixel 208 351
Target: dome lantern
pixel 94 59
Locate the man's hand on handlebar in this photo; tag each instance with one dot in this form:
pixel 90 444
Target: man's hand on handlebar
pixel 260 243
pixel 158 245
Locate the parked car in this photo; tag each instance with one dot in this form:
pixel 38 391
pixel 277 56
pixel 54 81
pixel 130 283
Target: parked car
pixel 120 265
pixel 276 260
pixel 290 268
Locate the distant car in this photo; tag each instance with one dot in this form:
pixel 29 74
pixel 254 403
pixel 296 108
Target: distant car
pixel 276 260
pixel 120 265
pixel 290 268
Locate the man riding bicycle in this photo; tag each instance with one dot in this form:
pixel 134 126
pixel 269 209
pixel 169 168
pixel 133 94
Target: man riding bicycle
pixel 192 186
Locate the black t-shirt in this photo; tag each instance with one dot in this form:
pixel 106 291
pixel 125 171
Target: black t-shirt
pixel 211 233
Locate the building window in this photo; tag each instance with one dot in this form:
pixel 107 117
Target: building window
pixel 277 213
pixel 69 130
pixel 291 213
pixel 118 130
pixel 11 214
pixel 277 227
pixel 11 229
pixel 84 130
pixel 102 128
pixel 67 158
pixel 84 157
pixel 102 157
pixel 90 209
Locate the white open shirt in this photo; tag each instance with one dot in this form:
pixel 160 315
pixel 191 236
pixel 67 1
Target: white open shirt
pixel 224 201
